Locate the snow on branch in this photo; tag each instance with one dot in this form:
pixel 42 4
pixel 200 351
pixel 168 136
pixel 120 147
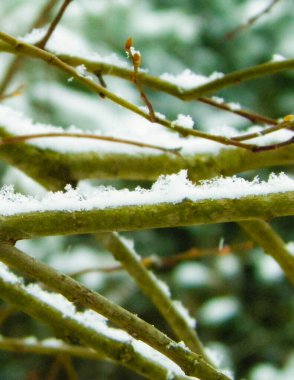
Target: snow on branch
pixel 167 189
pixel 112 339
pixel 172 201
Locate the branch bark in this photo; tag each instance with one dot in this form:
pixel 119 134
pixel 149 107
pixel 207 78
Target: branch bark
pixel 137 217
pixel 192 364
pixel 150 286
pixel 263 234
pixel 72 330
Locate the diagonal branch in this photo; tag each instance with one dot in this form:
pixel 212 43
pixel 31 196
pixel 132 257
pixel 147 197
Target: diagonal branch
pixel 121 351
pixel 20 47
pixel 191 364
pixel 41 44
pixel 252 20
pixel 263 234
pixel 16 63
pixel 152 288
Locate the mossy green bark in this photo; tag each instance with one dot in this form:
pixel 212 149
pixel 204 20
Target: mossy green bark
pixel 192 364
pixel 138 217
pixel 53 169
pixel 73 331
pixel 151 287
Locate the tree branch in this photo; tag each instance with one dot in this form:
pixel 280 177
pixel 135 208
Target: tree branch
pixel 41 44
pixel 262 233
pixel 54 169
pixel 43 347
pixel 144 216
pixel 252 20
pixel 72 330
pixel 16 63
pixel 191 363
pixel 20 47
pixel 151 287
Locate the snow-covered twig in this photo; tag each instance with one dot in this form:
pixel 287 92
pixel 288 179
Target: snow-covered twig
pixel 152 287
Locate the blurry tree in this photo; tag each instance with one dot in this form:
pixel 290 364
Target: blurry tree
pixel 126 120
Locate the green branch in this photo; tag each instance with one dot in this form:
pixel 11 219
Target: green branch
pixel 54 169
pixel 41 347
pixel 158 84
pixel 72 330
pixel 20 47
pixel 137 217
pixel 151 287
pixel 262 233
pixel 75 292
pixel 17 62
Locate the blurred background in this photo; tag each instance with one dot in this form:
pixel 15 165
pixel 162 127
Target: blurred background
pixel 243 304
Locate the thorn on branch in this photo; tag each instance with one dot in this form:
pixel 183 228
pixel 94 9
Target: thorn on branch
pixel 136 59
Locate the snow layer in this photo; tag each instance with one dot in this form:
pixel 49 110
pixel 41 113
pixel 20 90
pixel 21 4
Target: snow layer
pixel 187 79
pixel 65 41
pixel 172 188
pixel 132 127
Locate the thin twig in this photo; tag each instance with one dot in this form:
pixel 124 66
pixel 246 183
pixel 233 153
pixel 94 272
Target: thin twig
pixel 251 20
pixel 42 348
pixel 266 131
pixel 156 263
pixel 22 138
pixel 51 59
pixel 18 91
pixel 16 63
pixel 252 116
pixel 41 44
pixel 273 146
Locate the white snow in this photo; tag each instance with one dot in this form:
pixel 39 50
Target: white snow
pixel 218 99
pixel 234 106
pixel 52 342
pixel 171 188
pixel 278 58
pixel 290 247
pixel 131 125
pixel 162 285
pixel 188 80
pixel 7 275
pixel 185 121
pixel 267 268
pixel 65 41
pixel 191 322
